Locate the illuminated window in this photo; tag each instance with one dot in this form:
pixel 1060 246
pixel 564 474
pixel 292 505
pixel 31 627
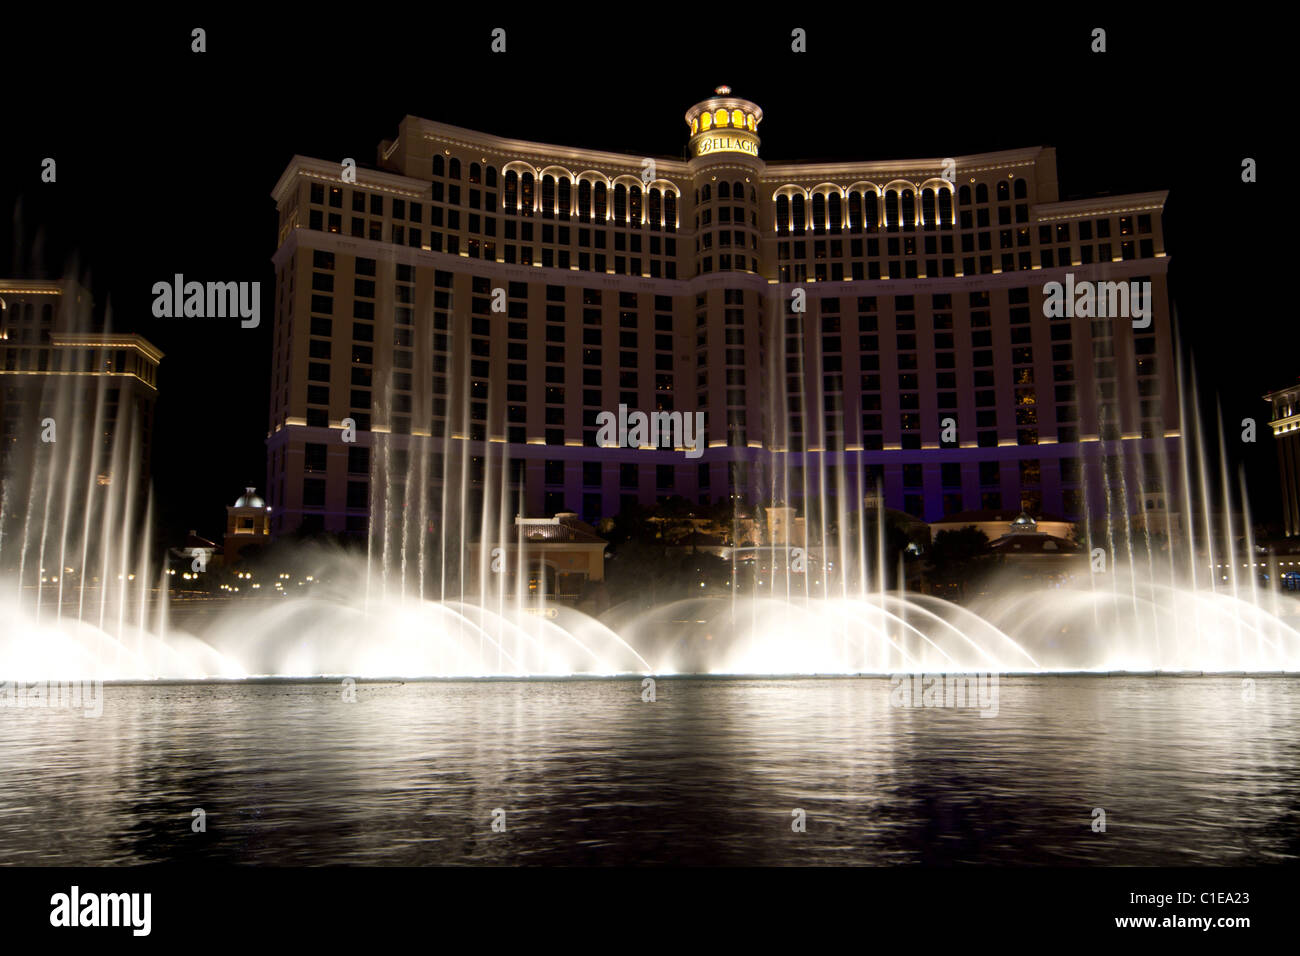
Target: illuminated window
pixel 749 122
pixel 526 194
pixel 706 121
pixel 738 118
pixel 720 118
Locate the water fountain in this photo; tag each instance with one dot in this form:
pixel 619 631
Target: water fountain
pixel 81 596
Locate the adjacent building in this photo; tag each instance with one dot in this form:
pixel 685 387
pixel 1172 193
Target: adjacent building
pixel 247 525
pixel 1285 422
pixel 473 304
pixel 76 408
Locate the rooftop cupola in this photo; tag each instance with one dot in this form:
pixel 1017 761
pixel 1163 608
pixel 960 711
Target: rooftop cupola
pixel 724 124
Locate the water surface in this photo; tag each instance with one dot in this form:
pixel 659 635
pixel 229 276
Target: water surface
pixel 1188 770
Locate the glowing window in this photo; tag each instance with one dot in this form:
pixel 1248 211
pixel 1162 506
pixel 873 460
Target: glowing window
pixel 749 122
pixel 737 118
pixel 695 126
pixel 706 121
pixel 720 118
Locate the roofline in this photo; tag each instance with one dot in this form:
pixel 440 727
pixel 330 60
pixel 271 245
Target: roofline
pixel 1095 205
pixel 974 162
pixel 130 339
pixel 460 136
pixel 327 171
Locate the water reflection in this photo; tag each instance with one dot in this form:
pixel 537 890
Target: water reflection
pixel 1188 772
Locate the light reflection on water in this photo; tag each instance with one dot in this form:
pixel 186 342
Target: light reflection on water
pixel 1187 770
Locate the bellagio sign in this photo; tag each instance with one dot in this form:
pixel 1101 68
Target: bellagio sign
pixel 731 142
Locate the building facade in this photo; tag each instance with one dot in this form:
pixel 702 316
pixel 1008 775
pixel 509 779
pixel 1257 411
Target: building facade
pixel 1285 422
pixel 247 525
pixel 76 408
pixel 474 303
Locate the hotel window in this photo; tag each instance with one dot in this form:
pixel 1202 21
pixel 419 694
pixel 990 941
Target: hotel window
pixel 313 492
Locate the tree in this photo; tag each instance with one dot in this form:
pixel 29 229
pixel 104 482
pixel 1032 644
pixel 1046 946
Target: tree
pixel 960 558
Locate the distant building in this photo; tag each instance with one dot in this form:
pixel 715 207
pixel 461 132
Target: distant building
pixel 76 405
pixel 1036 554
pixel 558 556
pixel 785 527
pixel 196 555
pixel 1286 429
pixel 248 522
pixel 995 524
pixel 1153 517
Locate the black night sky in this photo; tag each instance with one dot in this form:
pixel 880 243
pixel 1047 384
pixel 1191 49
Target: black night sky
pixel 166 158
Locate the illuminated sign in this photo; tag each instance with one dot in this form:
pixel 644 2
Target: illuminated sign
pixel 733 141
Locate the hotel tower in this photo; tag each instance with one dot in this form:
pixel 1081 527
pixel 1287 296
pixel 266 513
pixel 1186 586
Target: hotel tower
pixel 456 318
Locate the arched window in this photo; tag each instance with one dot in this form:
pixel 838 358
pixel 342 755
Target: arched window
pixel 819 213
pixel 602 202
pixel 526 194
pixel 945 207
pixel 439 168
pixel 655 212
pixel 892 215
pixel 1021 189
pixel 512 191
pixel 475 173
pixel 490 177
pixel 620 203
pixel 720 118
pixel 724 190
pixel 738 191
pixel 908 210
pixel 963 195
pixel 797 216
pixel 706 121
pixel 871 211
pixel 1004 191
pixel 782 214
pixel 706 193
pixel 584 201
pixel 670 212
pixel 835 210
pixel 855 212
pixel 564 201
pixel 981 193
pixel 634 205
pixel 548 197
pixel 753 196
pixel 929 215
pixel 453 168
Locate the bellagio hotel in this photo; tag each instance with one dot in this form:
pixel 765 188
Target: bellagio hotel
pixel 473 302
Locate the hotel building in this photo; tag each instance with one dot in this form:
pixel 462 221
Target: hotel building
pixel 474 302
pixel 74 400
pixel 1285 422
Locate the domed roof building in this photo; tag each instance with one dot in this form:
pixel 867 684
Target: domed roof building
pixel 248 522
pixel 249 499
